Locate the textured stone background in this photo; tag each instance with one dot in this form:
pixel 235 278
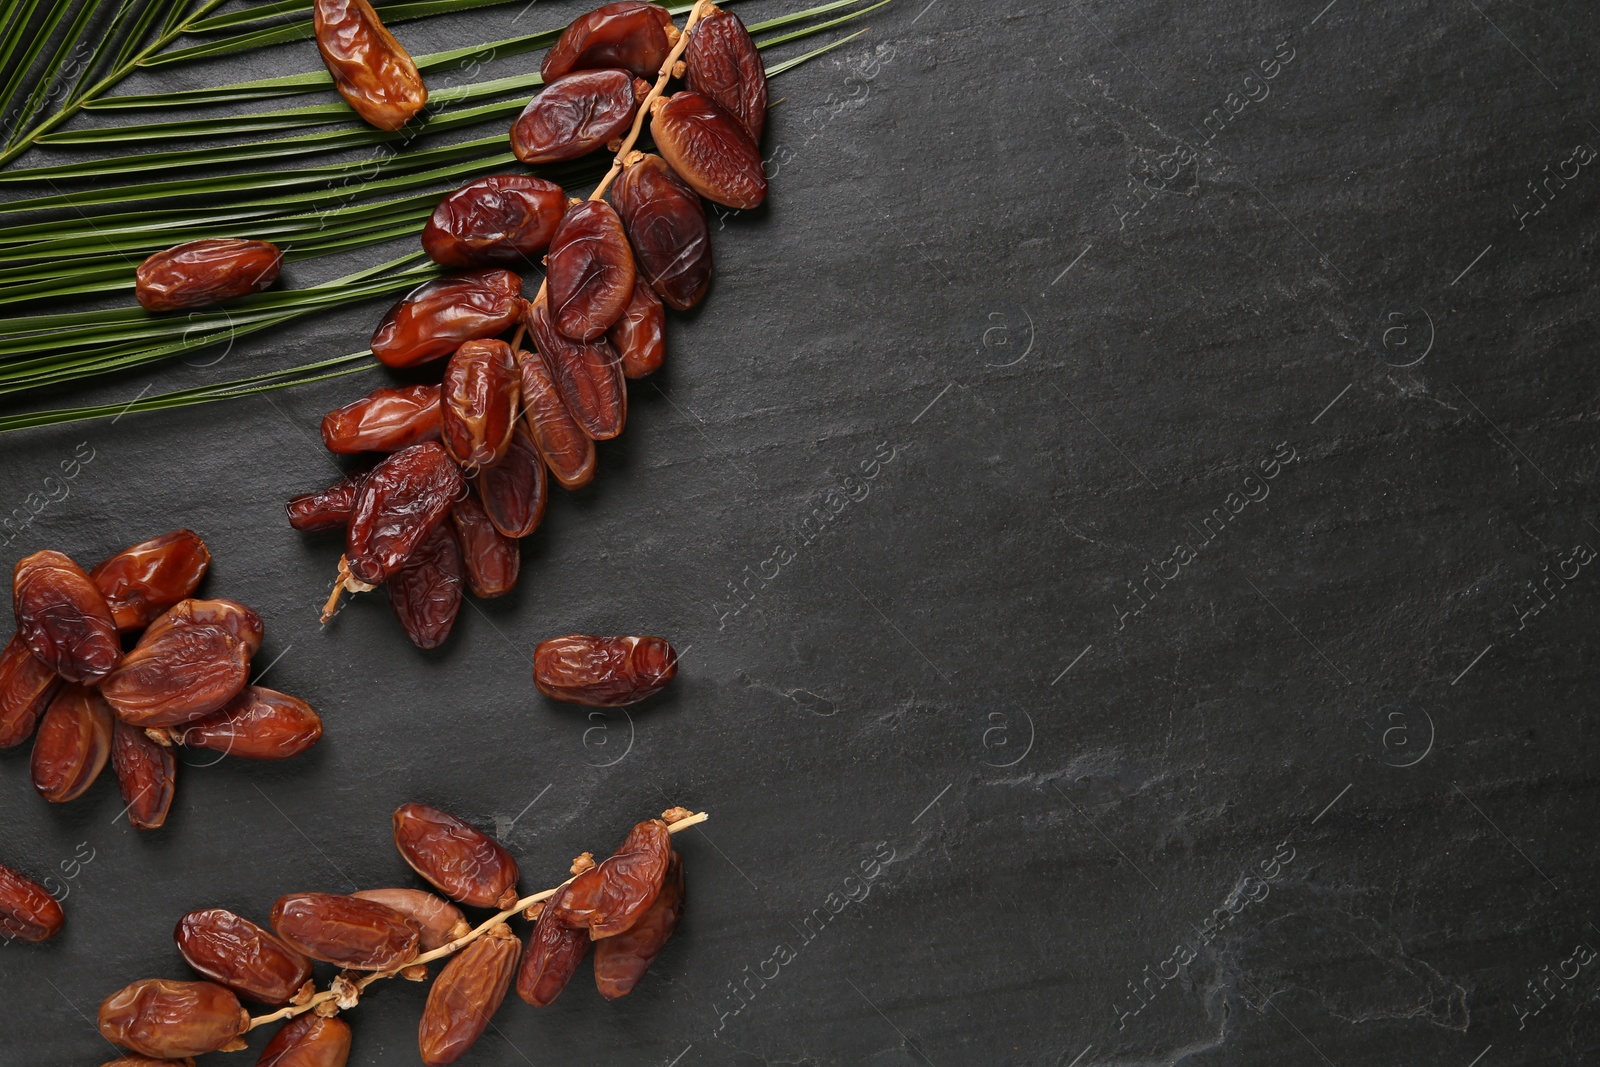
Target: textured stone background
pixel 1327 797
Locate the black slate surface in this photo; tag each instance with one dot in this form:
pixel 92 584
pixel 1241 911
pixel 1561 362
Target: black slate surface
pixel 1093 299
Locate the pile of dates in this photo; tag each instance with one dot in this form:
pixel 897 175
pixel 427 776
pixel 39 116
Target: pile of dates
pixel 627 906
pixel 468 461
pixel 119 664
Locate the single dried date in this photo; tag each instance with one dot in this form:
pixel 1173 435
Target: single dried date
pixel 73 745
pixel 504 220
pixel 26 688
pixel 492 560
pixel 169 1020
pixel 513 493
pixel 554 951
pixel 610 897
pixel 147 774
pixel 666 222
pixel 400 502
pixel 198 274
pixel 227 615
pixel 640 335
pixel 326 509
pixel 587 374
pixel 478 409
pixel 259 723
pixel 233 951
pixel 634 36
pixel 27 912
pixel 385 420
pixel 708 148
pixel 141 582
pixel 183 673
pixel 723 64
pixel 576 114
pixel 440 921
pixel 560 441
pixel 465 996
pixel 590 271
pixel 620 961
pixel 426 593
pixel 371 70
pixel 63 617
pixel 434 319
pixel 352 932
pixel 308 1041
pixel 459 860
pixel 603 672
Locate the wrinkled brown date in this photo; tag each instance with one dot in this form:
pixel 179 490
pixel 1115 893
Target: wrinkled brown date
pixel 590 271
pixel 348 931
pixel 233 951
pixel 440 921
pixel 27 912
pixel 666 223
pixel 640 336
pixel 560 441
pixel 147 774
pixel 26 688
pixel 466 995
pixel 513 494
pixel 426 593
pixel 385 420
pixel 491 559
pixel 504 220
pixel 198 274
pixel 227 615
pixel 73 745
pixel 478 403
pixel 723 64
pixel 325 509
pixel 434 318
pixel 183 673
pixel 63 617
pixel 620 961
pixel 610 898
pixel 708 148
pixel 141 582
pixel 400 502
pixel 575 115
pixel 587 374
pixel 603 672
pixel 308 1041
pixel 259 723
pixel 460 861
pixel 167 1019
pixel 634 36
pixel 554 951
pixel 371 70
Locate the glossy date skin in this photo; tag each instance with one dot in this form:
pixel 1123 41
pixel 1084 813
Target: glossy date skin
pixel 723 64
pixel 385 420
pixel 439 920
pixel 73 744
pixel 259 723
pixel 631 35
pixel 63 617
pixel 590 271
pixel 147 775
pixel 504 220
pixel 371 70
pixel 27 912
pixel 325 509
pixel 576 115
pixel 183 673
pixel 459 860
pixel 26 688
pixel 492 560
pixel 611 897
pixel 228 615
pixel 566 450
pixel 620 961
pixel 603 672
pixel 308 1041
pixel 640 335
pixel 141 582
pixel 708 148
pixel 200 274
pixel 554 951
pixel 233 951
pixel 426 593
pixel 587 375
pixel 478 409
pixel 465 996
pixel 433 319
pixel 513 494
pixel 666 223
pixel 352 932
pixel 400 502
pixel 168 1020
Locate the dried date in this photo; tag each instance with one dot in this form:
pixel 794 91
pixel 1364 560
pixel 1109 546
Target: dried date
pixel 590 271
pixel 234 952
pixel 723 64
pixel 491 559
pixel 478 408
pixel 198 274
pixel 326 509
pixel 620 961
pixel 259 723
pixel 440 921
pixel 147 774
pixel 63 617
pixel 371 70
pixel 385 420
pixel 554 951
pixel 141 582
pixel 576 114
pixel 230 616
pixel 609 898
pixel 27 912
pixel 400 502
pixel 504 220
pixel 666 223
pixel 560 441
pixel 459 860
pixel 634 36
pixel 426 593
pixel 73 745
pixel 466 995
pixel 640 335
pixel 603 672
pixel 183 673
pixel 352 932
pixel 308 1041
pixel 513 493
pixel 708 148
pixel 26 688
pixel 587 374
pixel 168 1020
pixel 434 319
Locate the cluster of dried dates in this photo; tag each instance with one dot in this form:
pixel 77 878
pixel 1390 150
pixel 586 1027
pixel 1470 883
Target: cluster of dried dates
pixel 627 906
